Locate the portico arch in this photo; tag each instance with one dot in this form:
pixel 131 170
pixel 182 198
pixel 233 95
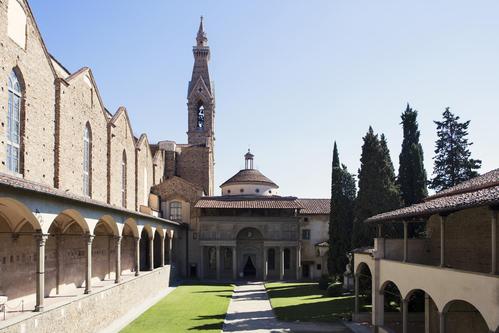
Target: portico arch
pixel 104 249
pixel 146 237
pixel 15 215
pixel 158 247
pixel 129 237
pixel 250 253
pixel 461 316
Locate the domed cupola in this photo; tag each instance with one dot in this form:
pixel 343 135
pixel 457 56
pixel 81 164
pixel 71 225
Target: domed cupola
pixel 249 181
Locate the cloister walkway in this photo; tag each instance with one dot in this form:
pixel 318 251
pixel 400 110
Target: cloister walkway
pixel 250 311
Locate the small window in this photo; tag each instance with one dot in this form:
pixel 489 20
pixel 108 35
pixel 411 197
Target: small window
pixel 270 191
pixel 228 191
pixel 175 210
pixel 305 219
pixel 319 267
pixel 257 190
pixel 305 234
pixel 241 190
pixel 271 259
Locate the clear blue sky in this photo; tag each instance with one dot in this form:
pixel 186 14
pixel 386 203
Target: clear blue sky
pixel 291 76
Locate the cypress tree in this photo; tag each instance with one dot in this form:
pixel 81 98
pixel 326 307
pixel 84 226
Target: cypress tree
pixel 341 216
pixel 412 174
pixel 378 192
pixel 452 161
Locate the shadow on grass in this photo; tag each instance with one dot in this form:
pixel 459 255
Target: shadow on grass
pixel 327 311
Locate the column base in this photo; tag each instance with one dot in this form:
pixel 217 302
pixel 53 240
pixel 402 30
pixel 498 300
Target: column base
pixel 38 308
pixel 87 291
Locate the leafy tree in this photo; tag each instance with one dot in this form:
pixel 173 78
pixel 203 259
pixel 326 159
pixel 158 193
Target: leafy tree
pixel 378 192
pixel 341 218
pixel 412 174
pixel 453 163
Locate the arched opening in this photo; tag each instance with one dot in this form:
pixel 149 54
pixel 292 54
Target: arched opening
pixel 200 115
pixel 123 180
pixel 363 305
pixel 104 250
pixel 419 307
pixel 65 253
pixel 250 253
pixel 461 316
pixel 145 257
pixel 128 244
pixel 17 256
pixel 392 306
pixel 158 239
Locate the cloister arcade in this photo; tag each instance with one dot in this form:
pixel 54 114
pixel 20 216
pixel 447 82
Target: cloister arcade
pixel 398 308
pixel 48 256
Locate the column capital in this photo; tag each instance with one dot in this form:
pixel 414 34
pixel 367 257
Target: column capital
pixel 41 239
pixel 118 238
pixel 89 238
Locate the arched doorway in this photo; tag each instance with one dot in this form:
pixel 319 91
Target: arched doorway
pixel 157 249
pixel 145 258
pixel 461 316
pixel 392 306
pixel 250 254
pixel 420 303
pixel 363 288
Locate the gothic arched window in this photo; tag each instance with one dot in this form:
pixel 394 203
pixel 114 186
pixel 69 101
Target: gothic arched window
pixel 212 258
pixel 123 180
pixel 14 123
pixel 87 160
pixel 200 113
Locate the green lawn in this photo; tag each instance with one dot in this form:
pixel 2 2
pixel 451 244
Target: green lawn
pixel 187 308
pixel 306 302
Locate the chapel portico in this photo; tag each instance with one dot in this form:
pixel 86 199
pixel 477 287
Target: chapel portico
pixel 249 232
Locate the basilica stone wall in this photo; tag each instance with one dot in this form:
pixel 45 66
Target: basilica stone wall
pixel 36 74
pixel 78 105
pixel 121 140
pixel 144 176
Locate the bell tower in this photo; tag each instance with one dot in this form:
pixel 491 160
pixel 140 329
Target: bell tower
pixel 200 95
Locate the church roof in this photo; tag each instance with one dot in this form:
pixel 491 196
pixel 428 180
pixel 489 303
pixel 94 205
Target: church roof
pixel 249 202
pixel 480 191
pixel 249 176
pixel 315 206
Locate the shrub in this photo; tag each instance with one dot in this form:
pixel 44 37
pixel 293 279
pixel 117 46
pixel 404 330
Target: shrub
pixel 324 281
pixel 334 289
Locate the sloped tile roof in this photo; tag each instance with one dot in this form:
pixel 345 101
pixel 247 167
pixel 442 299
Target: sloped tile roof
pixel 251 202
pixel 249 176
pixel 480 191
pixel 315 206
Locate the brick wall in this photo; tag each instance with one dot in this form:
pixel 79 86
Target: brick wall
pixel 144 172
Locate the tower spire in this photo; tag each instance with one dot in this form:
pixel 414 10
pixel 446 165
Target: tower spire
pixel 201 38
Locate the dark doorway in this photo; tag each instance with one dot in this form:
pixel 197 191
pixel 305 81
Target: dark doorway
pixel 306 271
pixel 193 271
pixel 144 251
pixel 249 268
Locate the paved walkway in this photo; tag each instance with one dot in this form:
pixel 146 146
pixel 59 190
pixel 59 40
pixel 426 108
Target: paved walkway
pixel 250 311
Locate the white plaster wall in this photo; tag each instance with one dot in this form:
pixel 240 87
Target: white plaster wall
pixel 249 189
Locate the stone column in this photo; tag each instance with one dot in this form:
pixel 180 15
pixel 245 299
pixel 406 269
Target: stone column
pixel 406 242
pixel 151 254
pixel 162 254
pixel 441 319
pixel 442 240
pixel 298 262
pixel 218 261
pixel 426 313
pixel 281 263
pixel 170 251
pixel 493 269
pixel 137 256
pixel 265 263
pixel 41 240
pixel 404 315
pixel 201 263
pixel 58 261
pixel 234 263
pixel 117 243
pixel 356 286
pixel 88 277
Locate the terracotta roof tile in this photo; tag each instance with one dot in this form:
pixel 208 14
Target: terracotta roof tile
pixel 249 176
pixel 251 202
pixel 480 191
pixel 23 184
pixel 315 206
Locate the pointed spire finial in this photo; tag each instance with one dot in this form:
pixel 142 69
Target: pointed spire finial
pixel 201 38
